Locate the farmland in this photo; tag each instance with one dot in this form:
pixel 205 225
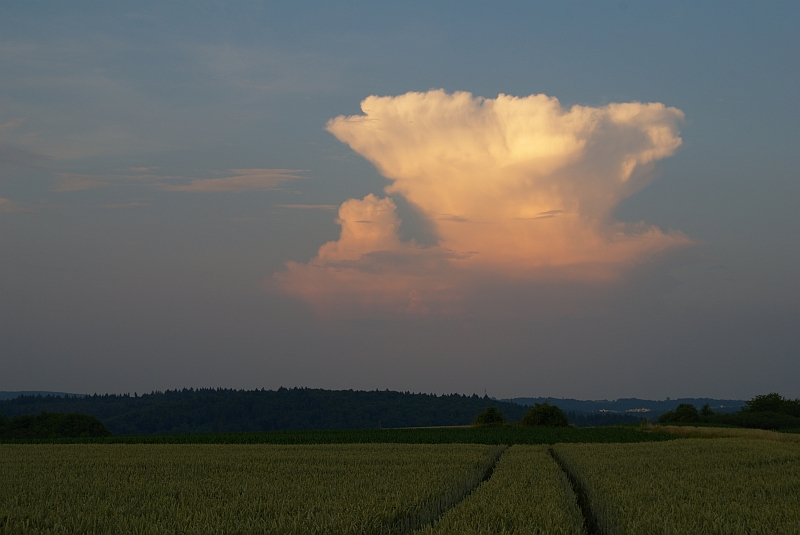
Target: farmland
pixel 505 435
pixel 233 489
pixel 699 486
pixel 527 494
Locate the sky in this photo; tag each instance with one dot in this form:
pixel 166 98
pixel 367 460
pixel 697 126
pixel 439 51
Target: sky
pixel 591 200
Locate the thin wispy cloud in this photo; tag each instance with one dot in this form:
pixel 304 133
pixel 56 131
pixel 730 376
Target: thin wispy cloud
pixel 308 206
pixel 15 156
pixel 14 147
pixel 7 206
pixel 236 181
pixel 10 124
pixel 80 182
pixel 134 204
pixel 128 176
pixel 240 181
pixel 517 188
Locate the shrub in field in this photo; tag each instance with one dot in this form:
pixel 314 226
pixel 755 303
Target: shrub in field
pixel 546 415
pixel 685 412
pixel 491 416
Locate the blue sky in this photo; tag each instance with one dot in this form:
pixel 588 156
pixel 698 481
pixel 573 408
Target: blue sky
pixel 160 164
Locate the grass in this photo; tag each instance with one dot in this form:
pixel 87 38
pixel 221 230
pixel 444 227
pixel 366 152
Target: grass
pixel 506 435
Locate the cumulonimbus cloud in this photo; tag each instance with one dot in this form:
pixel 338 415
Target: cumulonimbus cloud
pixel 515 187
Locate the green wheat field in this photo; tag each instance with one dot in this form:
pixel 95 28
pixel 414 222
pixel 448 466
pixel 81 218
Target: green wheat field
pixel 723 486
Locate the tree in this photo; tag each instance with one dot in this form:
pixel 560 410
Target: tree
pixel 684 413
pixel 706 411
pixel 547 415
pixel 491 416
pixel 773 402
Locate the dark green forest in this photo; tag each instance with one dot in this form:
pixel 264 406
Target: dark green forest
pixel 225 411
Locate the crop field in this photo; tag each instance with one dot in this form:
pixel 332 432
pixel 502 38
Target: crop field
pixel 724 486
pixel 699 486
pixel 233 489
pixel 528 494
pixel 690 431
pixel 506 435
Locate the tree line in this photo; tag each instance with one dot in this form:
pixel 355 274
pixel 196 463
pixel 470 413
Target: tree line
pixel 51 425
pixel 227 410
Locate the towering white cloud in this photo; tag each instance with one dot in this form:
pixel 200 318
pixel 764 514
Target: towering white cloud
pixel 515 187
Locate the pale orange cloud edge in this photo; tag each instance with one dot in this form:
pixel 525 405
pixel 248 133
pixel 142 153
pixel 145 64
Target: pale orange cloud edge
pixel 518 188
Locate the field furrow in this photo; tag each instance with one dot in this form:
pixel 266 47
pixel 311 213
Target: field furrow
pixel 527 494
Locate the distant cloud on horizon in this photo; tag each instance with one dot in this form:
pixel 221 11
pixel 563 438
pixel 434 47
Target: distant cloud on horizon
pixel 516 188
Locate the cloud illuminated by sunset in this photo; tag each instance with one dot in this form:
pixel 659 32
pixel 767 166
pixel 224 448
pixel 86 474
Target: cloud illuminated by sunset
pixel 515 187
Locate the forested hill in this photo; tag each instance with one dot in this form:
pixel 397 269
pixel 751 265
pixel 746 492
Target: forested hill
pixel 220 410
pixel 12 395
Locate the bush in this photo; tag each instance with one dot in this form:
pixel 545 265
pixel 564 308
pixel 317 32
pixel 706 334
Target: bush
pixel 684 413
pixel 544 414
pixel 491 416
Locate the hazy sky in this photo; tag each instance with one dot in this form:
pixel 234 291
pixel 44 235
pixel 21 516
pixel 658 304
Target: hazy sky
pixel 589 200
